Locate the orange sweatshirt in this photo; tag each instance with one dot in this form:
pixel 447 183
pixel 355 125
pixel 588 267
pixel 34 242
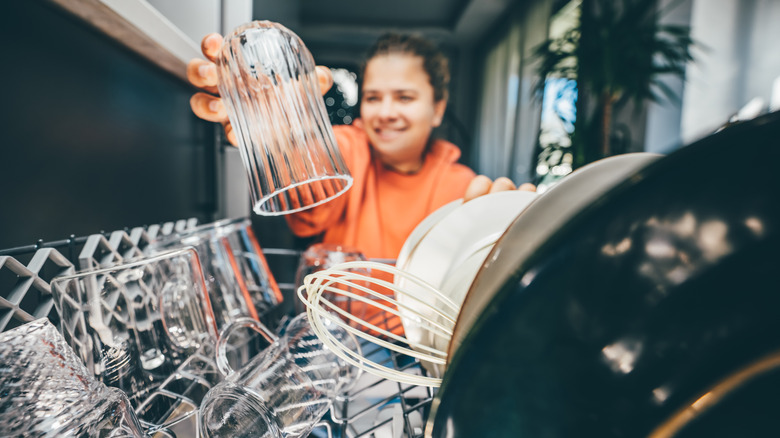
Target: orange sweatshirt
pixel 383 207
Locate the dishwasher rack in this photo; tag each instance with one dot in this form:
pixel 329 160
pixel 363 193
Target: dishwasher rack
pixel 373 407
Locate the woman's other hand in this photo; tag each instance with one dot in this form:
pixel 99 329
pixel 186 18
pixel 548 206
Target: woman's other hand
pixel 202 73
pixel 482 185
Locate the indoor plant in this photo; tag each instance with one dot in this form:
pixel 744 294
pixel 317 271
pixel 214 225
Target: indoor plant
pixel 618 52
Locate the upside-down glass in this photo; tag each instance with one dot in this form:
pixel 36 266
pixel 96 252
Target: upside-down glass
pixel 46 391
pixel 271 92
pixel 134 324
pixel 283 391
pixel 238 279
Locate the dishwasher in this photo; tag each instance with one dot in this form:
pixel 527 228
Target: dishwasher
pixel 650 311
pixel 371 407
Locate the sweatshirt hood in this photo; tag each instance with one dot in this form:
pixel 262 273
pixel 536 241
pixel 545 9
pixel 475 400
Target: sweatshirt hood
pixel 444 151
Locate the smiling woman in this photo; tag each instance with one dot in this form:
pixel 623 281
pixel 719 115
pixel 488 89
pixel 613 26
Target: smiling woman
pixel 397 112
pixel 401 174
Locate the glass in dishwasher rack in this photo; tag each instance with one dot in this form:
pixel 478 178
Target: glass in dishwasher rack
pixel 46 391
pixel 372 407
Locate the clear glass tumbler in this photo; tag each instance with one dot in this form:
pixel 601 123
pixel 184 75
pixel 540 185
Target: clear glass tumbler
pixel 46 391
pixel 271 92
pixel 238 279
pixel 283 391
pixel 133 324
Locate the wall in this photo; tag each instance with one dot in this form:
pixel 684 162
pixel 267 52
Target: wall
pixel 736 61
pixel 664 119
pixel 94 137
pixel 198 19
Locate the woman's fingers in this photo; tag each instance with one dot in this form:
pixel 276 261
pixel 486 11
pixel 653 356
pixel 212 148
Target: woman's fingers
pixel 478 186
pixel 210 45
pixel 502 184
pixel 208 107
pixel 482 185
pixel 203 74
pixel 229 133
pixel 211 108
pixel 325 78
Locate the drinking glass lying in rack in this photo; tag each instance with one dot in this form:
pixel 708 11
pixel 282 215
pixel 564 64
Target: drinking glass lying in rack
pixel 238 279
pixel 134 324
pixel 284 391
pixel 171 410
pixel 47 392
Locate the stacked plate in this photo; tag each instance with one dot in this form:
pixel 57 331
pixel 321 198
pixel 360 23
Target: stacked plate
pixel 447 250
pixel 569 197
pixel 453 245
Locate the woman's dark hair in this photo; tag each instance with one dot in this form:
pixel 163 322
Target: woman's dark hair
pixel 434 61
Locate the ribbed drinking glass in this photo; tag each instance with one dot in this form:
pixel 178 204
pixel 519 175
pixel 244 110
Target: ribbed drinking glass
pixel 268 83
pixel 46 391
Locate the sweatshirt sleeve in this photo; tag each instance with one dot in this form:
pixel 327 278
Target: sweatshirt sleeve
pixel 316 220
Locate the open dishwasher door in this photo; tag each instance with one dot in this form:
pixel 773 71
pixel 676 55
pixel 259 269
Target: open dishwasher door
pixel 651 313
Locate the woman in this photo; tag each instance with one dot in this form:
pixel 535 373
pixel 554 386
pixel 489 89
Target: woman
pixel 401 174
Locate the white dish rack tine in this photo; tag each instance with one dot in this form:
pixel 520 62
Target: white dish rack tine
pixel 364 282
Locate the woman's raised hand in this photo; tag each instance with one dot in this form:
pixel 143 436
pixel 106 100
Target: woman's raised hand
pixel 202 73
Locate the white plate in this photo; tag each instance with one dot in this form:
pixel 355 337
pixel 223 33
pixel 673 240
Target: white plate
pixel 539 222
pixel 422 229
pixel 457 245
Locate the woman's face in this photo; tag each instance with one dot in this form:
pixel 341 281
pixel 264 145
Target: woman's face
pixel 398 110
